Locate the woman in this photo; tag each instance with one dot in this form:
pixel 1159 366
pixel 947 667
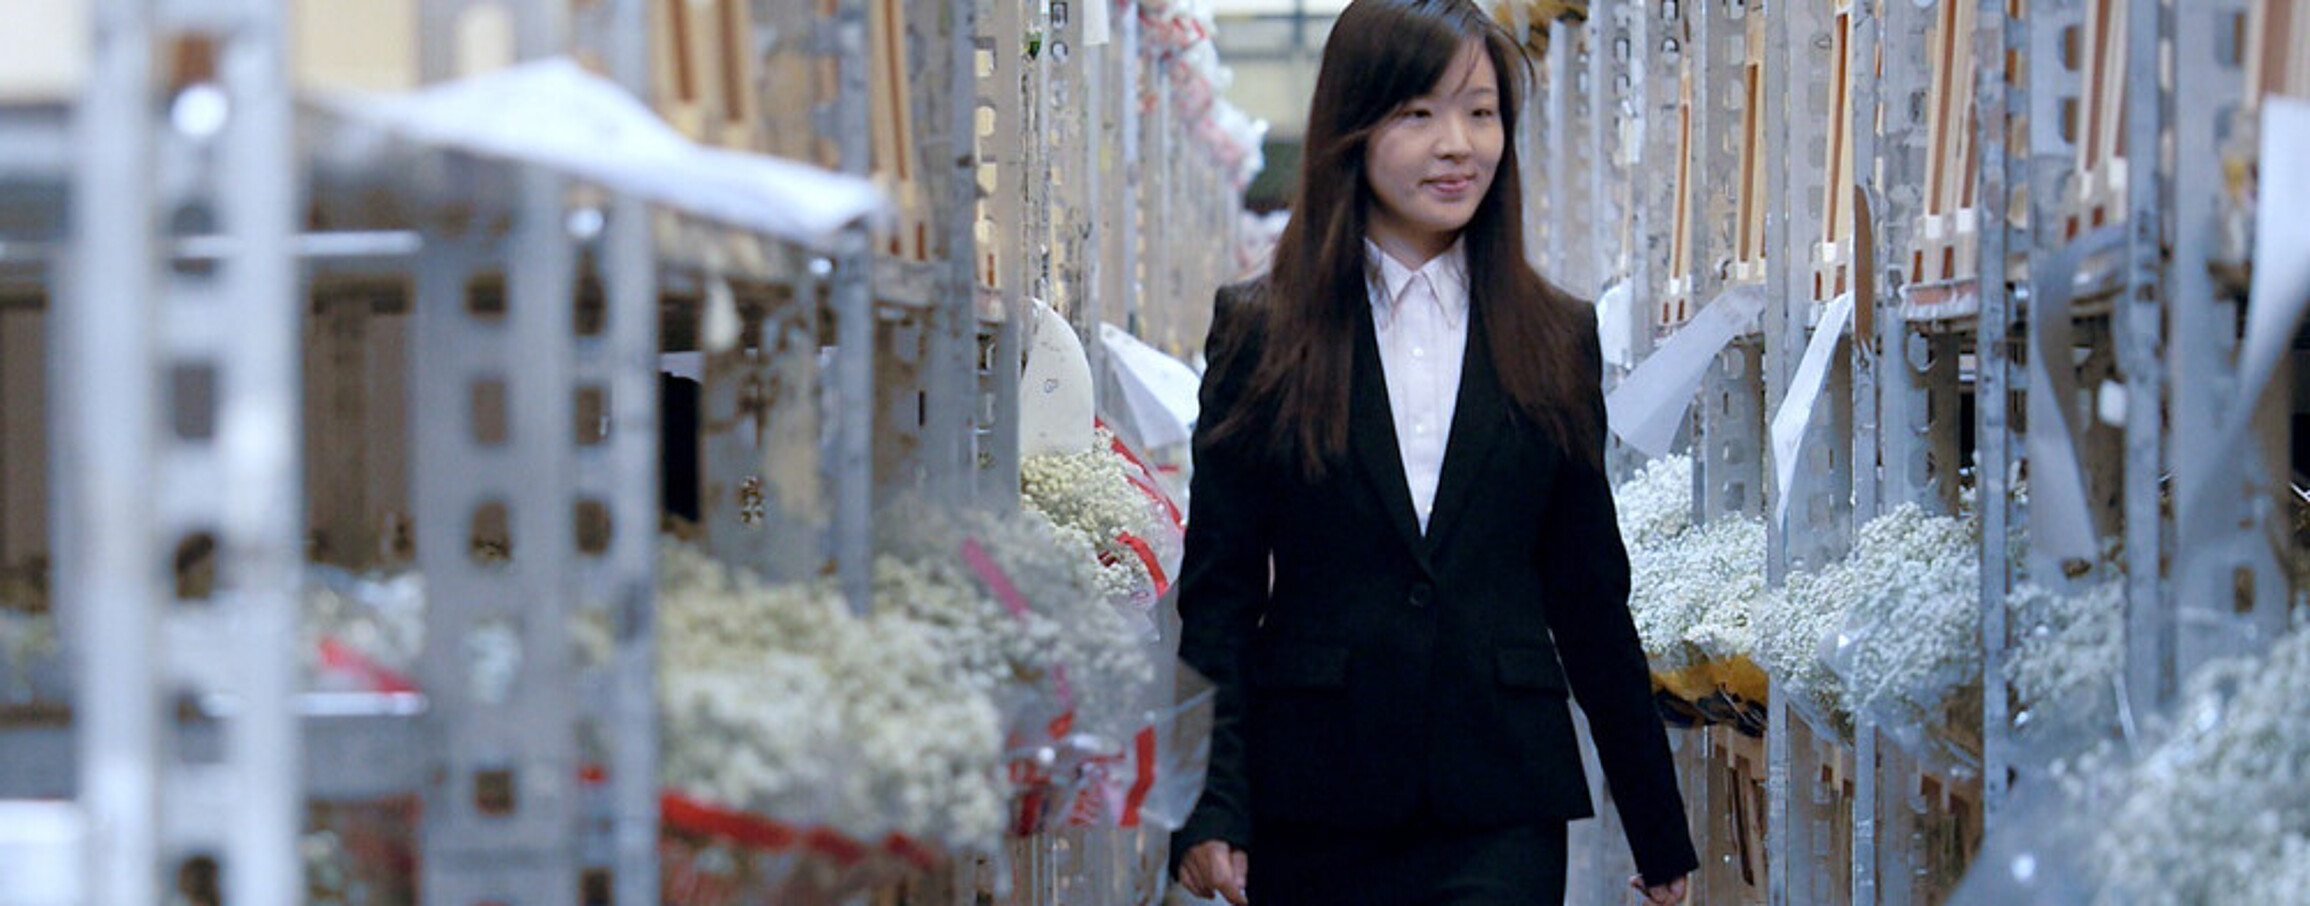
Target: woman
pixel 1403 556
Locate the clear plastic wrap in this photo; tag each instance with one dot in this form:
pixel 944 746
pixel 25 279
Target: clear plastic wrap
pixel 2066 669
pixel 2206 804
pixel 362 632
pixel 1159 542
pixel 1064 775
pixel 1110 500
pixel 1914 673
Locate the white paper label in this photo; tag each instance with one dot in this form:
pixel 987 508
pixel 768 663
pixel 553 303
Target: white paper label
pixel 1096 28
pixel 2281 288
pixel 1796 412
pixel 554 114
pixel 1158 390
pixel 1649 405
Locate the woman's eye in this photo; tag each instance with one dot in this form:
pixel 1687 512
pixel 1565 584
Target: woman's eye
pixel 1486 113
pixel 1417 113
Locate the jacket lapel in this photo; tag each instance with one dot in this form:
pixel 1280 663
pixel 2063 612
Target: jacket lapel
pixel 1477 423
pixel 1372 434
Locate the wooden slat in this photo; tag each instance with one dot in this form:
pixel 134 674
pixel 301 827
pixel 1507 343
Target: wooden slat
pixel 1830 272
pixel 1944 248
pixel 23 436
pixel 1676 302
pixel 894 138
pixel 2100 136
pixel 1749 245
pixel 2278 56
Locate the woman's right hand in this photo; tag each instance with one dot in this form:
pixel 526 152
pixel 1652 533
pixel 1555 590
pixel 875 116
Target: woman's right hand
pixel 1213 868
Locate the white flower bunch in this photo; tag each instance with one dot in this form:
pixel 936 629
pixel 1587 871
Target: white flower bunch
pixel 1726 570
pixel 380 615
pixel 750 713
pixel 1069 622
pixel 1899 614
pixel 1912 635
pixel 1787 630
pixel 992 648
pixel 1091 492
pixel 1655 510
pixel 2220 812
pixel 2072 648
pixel 776 699
pixel 928 750
pixel 1692 587
pixel 1655 504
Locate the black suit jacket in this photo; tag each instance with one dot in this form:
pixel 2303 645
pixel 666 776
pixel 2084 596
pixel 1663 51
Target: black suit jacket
pixel 1393 680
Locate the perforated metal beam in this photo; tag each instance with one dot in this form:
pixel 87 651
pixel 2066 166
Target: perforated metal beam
pixel 178 450
pixel 1998 377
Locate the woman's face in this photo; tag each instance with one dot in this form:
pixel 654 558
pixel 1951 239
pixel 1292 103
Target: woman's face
pixel 1432 160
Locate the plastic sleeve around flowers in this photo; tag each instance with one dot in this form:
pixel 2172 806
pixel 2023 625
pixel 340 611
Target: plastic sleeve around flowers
pixel 1223 577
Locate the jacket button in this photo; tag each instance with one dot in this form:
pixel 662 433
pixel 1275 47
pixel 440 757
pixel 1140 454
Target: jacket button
pixel 1421 593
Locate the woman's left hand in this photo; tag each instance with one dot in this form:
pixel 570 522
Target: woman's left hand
pixel 1669 894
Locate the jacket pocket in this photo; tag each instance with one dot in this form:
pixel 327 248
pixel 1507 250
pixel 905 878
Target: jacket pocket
pixel 1530 668
pixel 1300 667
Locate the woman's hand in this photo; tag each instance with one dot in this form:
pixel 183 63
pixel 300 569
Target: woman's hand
pixel 1214 868
pixel 1669 894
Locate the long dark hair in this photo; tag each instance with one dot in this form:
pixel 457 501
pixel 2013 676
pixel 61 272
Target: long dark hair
pixel 1382 53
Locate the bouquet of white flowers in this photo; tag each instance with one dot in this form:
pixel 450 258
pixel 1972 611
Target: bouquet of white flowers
pixel 1090 496
pixel 1655 511
pixel 2210 805
pixel 1910 640
pixel 2064 670
pixel 1075 673
pixel 2208 815
pixel 1693 588
pixel 361 631
pixel 1655 504
pixel 777 700
pixel 1731 554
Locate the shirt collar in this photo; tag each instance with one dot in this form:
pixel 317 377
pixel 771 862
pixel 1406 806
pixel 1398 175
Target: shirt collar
pixel 1447 274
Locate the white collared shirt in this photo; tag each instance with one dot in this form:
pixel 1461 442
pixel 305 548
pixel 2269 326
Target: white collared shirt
pixel 1422 317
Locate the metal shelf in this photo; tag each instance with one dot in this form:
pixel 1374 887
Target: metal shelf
pixel 2088 273
pixel 356 747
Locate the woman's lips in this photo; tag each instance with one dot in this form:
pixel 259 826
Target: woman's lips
pixel 1451 186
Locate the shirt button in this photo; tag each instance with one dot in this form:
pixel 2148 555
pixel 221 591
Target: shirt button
pixel 1419 352
pixel 1420 429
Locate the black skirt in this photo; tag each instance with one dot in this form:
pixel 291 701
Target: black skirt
pixel 1518 866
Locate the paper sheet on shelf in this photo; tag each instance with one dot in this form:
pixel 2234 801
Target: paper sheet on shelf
pixel 2278 297
pixel 1614 326
pixel 1158 390
pixel 1649 405
pixel 1098 24
pixel 1796 411
pixel 2060 518
pixel 1057 399
pixel 554 114
pixel 2281 287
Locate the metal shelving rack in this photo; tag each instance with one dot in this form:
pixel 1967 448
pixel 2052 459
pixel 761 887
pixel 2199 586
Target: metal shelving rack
pixel 185 267
pixel 2010 259
pixel 477 342
pixel 185 446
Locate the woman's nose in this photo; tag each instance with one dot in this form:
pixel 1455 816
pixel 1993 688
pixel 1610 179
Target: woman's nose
pixel 1453 138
